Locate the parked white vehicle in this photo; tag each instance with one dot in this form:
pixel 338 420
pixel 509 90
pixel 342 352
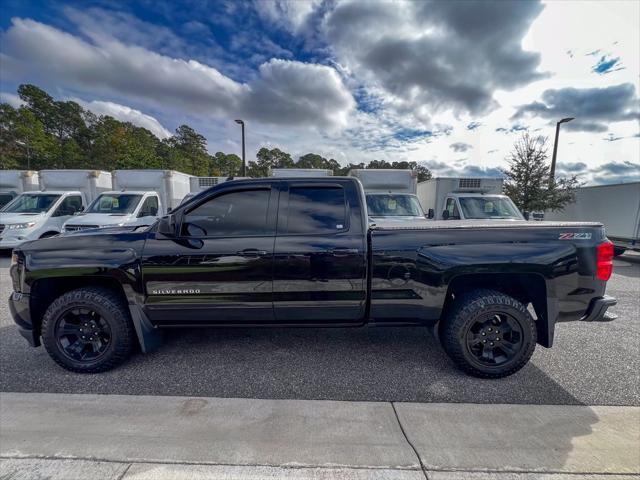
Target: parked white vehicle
pixel 390 194
pixel 616 206
pixel 15 182
pixel 33 215
pixel 466 199
pixel 138 198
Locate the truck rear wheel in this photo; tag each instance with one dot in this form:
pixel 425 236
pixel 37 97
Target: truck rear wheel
pixel 88 330
pixel 489 334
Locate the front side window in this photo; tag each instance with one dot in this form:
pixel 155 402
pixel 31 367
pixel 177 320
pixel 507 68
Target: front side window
pixel 314 210
pixel 115 204
pixel 393 205
pixel 149 207
pixel 69 206
pixel 241 213
pixel 31 203
pixel 452 209
pixel 489 207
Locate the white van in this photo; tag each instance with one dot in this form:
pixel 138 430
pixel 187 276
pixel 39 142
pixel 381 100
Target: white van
pixel 138 198
pixel 41 214
pixel 117 209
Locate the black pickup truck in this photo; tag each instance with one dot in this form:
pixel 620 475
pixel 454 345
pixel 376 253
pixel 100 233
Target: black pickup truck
pixel 301 252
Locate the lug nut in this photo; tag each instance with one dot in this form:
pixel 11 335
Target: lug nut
pixel 497 339
pixel 484 341
pixel 491 344
pixel 483 334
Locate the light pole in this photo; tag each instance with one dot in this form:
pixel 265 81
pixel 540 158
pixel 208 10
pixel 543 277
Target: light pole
pixel 244 163
pixel 552 174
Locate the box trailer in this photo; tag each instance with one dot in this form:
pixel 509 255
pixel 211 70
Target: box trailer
pixel 616 206
pixel 386 180
pixel 300 172
pixel 14 182
pixel 171 186
pixel 453 198
pixel 37 214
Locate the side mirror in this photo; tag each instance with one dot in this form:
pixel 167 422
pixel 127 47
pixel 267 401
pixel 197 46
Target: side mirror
pixel 445 215
pixel 167 226
pixel 430 213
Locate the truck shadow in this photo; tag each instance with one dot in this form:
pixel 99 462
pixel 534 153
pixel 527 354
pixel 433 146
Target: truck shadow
pixel 383 364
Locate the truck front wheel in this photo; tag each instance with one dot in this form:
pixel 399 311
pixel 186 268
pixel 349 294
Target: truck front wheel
pixel 489 334
pixel 88 330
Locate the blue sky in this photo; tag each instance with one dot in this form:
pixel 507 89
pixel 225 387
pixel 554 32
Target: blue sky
pixel 448 84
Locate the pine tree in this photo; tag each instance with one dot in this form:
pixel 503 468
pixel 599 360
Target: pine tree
pixel 528 178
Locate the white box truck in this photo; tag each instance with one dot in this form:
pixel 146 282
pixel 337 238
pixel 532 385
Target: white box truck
pixel 38 214
pixel 616 206
pixel 390 194
pixel 15 182
pixel 137 198
pixel 300 172
pixel 452 198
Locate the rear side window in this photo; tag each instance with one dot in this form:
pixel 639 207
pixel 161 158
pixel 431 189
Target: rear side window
pixel 316 210
pixel 240 213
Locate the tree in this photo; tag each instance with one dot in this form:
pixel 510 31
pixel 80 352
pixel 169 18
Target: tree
pixel 225 165
pixel 527 180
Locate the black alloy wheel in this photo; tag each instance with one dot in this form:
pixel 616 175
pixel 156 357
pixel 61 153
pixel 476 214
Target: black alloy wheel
pixel 494 339
pixel 82 334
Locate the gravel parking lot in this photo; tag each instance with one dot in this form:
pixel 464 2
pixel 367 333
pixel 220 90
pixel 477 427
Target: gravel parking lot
pixel 592 364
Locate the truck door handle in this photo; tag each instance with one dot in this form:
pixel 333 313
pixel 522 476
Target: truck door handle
pixel 343 252
pixel 251 252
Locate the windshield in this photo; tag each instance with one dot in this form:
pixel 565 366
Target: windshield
pixel 489 207
pixel 5 198
pixel 118 204
pixel 31 203
pixel 394 205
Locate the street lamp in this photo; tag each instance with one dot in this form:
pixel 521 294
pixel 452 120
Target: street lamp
pixel 552 174
pixel 244 163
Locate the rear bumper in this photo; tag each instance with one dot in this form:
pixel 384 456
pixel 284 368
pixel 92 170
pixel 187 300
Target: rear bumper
pixel 598 308
pixel 19 308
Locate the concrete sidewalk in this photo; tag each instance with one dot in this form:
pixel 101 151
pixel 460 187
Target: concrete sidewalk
pixel 61 436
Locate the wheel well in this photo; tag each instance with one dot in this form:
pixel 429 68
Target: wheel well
pixel 527 288
pixel 46 290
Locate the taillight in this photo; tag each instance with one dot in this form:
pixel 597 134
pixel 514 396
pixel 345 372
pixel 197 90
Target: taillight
pixel 604 260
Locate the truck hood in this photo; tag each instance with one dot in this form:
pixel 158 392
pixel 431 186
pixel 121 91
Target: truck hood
pixel 100 219
pixel 8 218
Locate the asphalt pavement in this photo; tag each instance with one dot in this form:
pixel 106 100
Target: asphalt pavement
pixel 590 364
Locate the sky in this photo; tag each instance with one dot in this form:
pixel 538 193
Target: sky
pixel 449 84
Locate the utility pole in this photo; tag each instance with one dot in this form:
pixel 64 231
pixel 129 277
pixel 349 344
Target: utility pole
pixel 552 173
pixel 244 162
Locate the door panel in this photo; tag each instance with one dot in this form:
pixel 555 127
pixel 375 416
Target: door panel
pixel 205 278
pixel 319 266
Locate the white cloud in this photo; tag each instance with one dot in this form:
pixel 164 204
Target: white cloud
pixel 285 92
pixel 12 99
pixel 127 114
pixel 290 14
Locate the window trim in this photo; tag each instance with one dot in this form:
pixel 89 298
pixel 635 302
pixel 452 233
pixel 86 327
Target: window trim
pixel 284 206
pixel 270 206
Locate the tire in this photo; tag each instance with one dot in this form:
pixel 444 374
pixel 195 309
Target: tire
pixel 475 322
pixel 106 325
pixel 617 251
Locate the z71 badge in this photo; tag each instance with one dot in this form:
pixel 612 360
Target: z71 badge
pixel 575 236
